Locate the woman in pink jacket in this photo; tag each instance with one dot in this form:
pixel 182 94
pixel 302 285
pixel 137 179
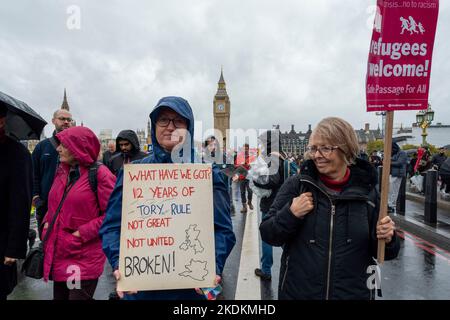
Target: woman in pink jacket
pixel 73 257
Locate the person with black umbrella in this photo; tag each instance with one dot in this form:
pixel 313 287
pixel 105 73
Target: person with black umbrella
pixel 15 205
pixel 45 162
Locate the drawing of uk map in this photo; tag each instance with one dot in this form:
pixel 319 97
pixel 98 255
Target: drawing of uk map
pixel 195 270
pixel 192 241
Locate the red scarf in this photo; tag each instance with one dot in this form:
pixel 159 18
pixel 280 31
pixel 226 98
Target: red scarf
pixel 336 185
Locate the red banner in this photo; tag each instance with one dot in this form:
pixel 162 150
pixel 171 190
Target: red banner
pixel 399 66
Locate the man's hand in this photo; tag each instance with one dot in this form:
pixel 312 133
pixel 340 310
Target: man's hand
pixel 9 261
pixel 121 293
pixel 385 229
pixel 302 204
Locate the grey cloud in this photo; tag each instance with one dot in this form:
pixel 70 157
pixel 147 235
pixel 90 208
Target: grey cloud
pixel 284 62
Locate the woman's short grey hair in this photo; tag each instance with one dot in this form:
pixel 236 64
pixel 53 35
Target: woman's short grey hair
pixel 339 132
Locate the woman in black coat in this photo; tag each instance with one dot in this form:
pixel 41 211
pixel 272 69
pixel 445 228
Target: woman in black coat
pixel 326 220
pixel 15 204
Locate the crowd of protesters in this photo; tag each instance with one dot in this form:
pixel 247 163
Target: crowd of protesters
pixel 81 225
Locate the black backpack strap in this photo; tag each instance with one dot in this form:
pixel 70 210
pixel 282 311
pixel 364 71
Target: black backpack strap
pixel 69 186
pixel 54 142
pixel 93 180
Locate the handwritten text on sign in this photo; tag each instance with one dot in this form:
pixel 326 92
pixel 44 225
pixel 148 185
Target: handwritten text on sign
pixel 167 235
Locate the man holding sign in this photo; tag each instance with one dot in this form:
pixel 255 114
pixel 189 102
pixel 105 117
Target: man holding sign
pixel 152 258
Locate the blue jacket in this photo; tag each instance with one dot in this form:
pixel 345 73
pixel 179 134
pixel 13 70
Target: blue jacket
pixel 45 161
pixel 399 160
pixel 223 229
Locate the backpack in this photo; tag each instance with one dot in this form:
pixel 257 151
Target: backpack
pixel 290 168
pixel 92 177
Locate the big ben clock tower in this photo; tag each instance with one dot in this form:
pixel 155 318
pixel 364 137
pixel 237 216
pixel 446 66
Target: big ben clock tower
pixel 222 110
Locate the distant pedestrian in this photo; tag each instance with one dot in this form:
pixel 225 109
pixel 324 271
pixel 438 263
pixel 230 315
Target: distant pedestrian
pixel 45 162
pixel 325 219
pixel 445 176
pixel 270 146
pixel 108 154
pixel 423 164
pixel 375 159
pixel 75 213
pixel 412 162
pixel 399 161
pixel 438 159
pixel 243 163
pixel 363 155
pixel 15 203
pixel 211 154
pixel 128 150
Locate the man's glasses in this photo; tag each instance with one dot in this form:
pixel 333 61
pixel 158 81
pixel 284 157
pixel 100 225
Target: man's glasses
pixel 177 122
pixel 64 119
pixel 323 150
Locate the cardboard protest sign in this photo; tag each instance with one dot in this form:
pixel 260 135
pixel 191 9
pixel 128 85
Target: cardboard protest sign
pixel 167 235
pixel 399 66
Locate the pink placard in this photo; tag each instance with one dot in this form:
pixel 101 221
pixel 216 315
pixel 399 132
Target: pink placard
pixel 399 65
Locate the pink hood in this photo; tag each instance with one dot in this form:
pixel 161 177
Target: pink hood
pixel 81 210
pixel 82 143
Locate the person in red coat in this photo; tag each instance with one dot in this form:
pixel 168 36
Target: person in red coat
pixel 74 259
pixel 243 165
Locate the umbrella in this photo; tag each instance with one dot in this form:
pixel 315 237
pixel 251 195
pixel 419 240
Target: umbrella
pixel 22 122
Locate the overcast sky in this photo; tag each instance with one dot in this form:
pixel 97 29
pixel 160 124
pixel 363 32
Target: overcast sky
pixel 285 62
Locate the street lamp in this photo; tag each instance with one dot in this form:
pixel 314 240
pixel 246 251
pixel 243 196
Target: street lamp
pixel 423 120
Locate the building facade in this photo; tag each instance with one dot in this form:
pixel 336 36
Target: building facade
pixel 294 143
pixel 367 135
pixel 221 110
pixel 105 137
pixel 142 139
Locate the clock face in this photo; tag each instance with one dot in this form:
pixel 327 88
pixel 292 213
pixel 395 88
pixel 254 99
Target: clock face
pixel 220 107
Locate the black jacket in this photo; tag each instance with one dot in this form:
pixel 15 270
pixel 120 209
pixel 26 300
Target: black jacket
pixel 16 184
pixel 445 167
pixel 118 160
pixel 107 155
pixel 45 161
pixel 326 254
pixel 438 159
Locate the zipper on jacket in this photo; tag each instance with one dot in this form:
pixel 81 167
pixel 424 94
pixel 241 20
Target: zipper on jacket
pixel 333 212
pixel 330 250
pixel 285 274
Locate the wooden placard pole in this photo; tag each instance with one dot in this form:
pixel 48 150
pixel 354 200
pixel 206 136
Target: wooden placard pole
pixel 385 177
